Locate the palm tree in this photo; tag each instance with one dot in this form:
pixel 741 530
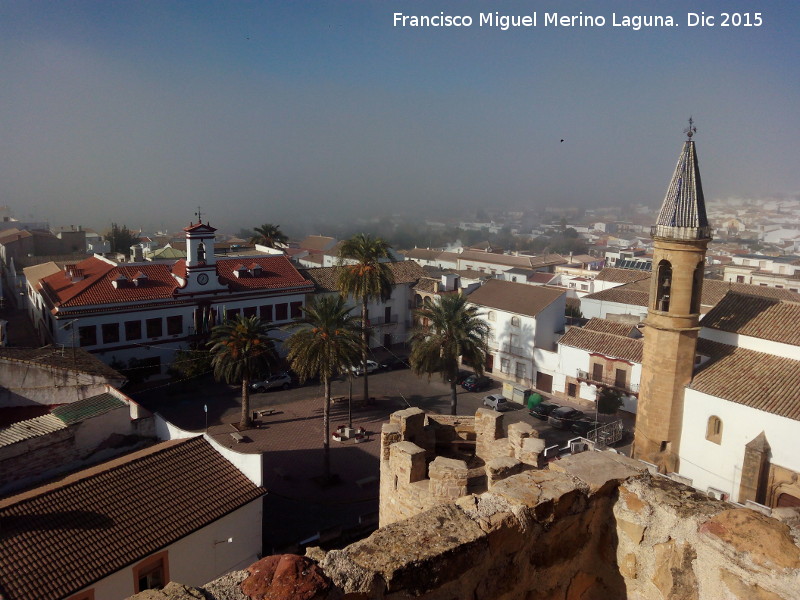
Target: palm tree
pixel 269 235
pixel 368 278
pixel 240 349
pixel 448 328
pixel 325 343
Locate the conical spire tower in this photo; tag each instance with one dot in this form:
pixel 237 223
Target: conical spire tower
pixel 680 235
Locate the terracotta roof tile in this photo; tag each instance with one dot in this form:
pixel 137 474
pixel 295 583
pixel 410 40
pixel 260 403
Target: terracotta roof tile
pixel 607 344
pixel 621 275
pixel 622 294
pixel 325 278
pixel 755 379
pixel 513 297
pixel 606 326
pixel 764 318
pixel 67 359
pixel 112 518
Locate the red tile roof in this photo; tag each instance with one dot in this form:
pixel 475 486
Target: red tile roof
pixel 62 537
pixel 764 318
pixel 607 344
pixel 276 272
pixel 615 275
pixel 755 379
pixel 157 282
pixel 607 326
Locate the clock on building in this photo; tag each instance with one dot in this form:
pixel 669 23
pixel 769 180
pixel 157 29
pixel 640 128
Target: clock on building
pixel 202 279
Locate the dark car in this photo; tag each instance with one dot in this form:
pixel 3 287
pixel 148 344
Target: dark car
pixel 543 410
pixel 473 383
pixel 461 376
pixel 562 418
pixel 583 426
pixel 393 363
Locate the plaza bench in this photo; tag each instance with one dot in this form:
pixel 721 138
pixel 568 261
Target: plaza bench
pixel 238 437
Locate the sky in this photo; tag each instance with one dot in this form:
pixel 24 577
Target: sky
pixel 317 112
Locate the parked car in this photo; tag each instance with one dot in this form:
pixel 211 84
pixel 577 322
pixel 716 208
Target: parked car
pixel 496 401
pixel 562 418
pixel 461 376
pixel 358 370
pixel 280 381
pixel 543 410
pixel 473 383
pixel 583 426
pixel 393 363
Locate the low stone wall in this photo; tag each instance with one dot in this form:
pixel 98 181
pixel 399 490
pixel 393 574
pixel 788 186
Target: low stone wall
pixel 593 526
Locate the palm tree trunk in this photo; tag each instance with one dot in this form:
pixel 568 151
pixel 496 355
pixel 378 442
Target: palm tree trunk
pixel 245 421
pixel 453 398
pixel 326 424
pixel 365 349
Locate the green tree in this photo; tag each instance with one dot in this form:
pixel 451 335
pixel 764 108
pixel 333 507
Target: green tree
pixel 190 364
pixel 269 235
pixel 365 276
pixel 448 329
pixel 325 342
pixel 609 401
pixel 242 348
pixel 121 238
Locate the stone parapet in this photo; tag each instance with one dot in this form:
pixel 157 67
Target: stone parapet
pixel 448 478
pixel 498 469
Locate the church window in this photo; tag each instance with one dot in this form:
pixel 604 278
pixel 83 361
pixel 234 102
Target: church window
pixel 663 286
pixel 714 430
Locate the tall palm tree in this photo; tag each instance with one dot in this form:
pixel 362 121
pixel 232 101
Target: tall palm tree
pixel 367 278
pixel 242 348
pixel 325 343
pixel 269 235
pixel 448 328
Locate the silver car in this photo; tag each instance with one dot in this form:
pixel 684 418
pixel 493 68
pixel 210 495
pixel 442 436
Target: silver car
pixel 496 401
pixel 280 381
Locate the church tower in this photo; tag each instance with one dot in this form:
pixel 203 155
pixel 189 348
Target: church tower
pixel 681 235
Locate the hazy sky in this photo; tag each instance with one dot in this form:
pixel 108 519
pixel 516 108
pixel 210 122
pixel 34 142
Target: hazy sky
pixel 137 112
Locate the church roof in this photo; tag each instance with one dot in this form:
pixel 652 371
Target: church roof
pixel 759 317
pixel 605 343
pixel 755 379
pixel 683 212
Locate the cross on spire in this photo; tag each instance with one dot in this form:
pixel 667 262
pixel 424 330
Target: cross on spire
pixel 691 130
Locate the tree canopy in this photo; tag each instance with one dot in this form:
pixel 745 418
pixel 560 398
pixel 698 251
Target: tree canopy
pixel 121 238
pixel 326 341
pixel 448 328
pixel 269 235
pixel 241 349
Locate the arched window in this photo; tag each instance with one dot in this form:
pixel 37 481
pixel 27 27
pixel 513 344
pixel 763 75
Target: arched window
pixel 714 430
pixel 201 253
pixel 663 286
pixel 515 321
pixel 697 287
pixel 491 315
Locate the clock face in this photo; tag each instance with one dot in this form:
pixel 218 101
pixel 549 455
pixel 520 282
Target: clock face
pixel 202 279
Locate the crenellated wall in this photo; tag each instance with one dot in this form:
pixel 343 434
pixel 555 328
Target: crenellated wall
pixel 414 478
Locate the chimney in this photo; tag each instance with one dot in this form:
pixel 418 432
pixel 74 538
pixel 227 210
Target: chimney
pixel 435 287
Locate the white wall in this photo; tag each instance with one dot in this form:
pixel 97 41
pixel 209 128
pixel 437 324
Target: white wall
pixel 719 465
pixel 251 465
pixel 591 307
pixel 751 343
pixel 195 559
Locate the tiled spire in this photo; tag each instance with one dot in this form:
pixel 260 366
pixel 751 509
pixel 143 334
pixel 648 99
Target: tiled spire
pixel 683 213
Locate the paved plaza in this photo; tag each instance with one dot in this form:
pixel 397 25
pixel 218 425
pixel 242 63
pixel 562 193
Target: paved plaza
pixel 297 508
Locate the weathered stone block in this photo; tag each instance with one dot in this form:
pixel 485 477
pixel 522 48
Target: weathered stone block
pixel 500 468
pixel 599 470
pixel 674 576
pixel 407 462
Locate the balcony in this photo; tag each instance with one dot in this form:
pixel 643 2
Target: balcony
pixel 631 388
pixel 381 321
pixel 515 350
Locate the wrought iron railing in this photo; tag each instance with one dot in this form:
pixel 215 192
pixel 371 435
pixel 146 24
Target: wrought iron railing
pixel 608 381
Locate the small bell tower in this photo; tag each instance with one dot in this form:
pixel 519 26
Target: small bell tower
pixel 201 263
pixel 681 236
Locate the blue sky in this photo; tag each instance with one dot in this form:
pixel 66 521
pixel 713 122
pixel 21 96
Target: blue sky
pixel 138 112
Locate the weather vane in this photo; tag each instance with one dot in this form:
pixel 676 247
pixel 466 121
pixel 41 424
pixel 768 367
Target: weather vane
pixel 691 130
pixel 200 215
